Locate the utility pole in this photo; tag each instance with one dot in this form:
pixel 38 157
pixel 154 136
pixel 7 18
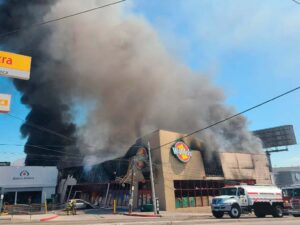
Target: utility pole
pixel 131 187
pixel 152 180
pixel 1 199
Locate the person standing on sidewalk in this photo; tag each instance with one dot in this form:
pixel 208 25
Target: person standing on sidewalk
pixel 73 207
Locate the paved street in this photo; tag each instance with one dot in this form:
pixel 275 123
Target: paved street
pixel 188 219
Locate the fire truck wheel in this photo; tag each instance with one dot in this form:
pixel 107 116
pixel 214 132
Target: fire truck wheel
pixel 235 211
pixel 277 211
pixel 218 214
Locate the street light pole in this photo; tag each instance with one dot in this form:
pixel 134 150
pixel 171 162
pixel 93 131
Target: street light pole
pixel 152 180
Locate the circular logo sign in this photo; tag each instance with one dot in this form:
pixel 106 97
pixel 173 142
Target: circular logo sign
pixel 182 152
pixel 24 173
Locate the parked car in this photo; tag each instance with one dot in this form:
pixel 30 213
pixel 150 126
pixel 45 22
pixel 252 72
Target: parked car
pixel 82 204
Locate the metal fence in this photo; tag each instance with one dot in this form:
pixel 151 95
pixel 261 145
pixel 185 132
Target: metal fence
pixel 25 209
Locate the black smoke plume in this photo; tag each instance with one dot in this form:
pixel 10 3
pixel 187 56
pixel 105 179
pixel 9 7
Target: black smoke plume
pixel 48 108
pixel 111 66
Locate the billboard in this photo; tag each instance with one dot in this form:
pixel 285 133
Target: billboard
pixel 5 102
pixel 277 136
pixel 15 65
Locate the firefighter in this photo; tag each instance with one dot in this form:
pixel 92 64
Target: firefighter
pixel 68 207
pixel 71 206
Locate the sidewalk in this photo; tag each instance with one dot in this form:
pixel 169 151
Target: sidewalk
pixel 29 218
pixel 97 215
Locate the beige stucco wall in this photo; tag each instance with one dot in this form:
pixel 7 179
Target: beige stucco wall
pixel 245 166
pixel 167 168
pixel 173 169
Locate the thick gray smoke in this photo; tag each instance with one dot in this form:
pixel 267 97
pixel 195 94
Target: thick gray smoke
pixel 112 67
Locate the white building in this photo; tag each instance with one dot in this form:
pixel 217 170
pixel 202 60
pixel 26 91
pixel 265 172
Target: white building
pixel 27 184
pixel 287 176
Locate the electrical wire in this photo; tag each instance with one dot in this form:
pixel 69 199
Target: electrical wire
pixel 230 117
pixel 39 147
pixel 58 19
pixel 59 158
pixel 185 136
pixel 41 128
pixel 296 2
pixel 79 157
pixel 52 146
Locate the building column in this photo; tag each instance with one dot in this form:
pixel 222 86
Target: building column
pixel 16 197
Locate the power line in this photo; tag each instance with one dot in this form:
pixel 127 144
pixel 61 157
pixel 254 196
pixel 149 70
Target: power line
pixel 296 2
pixel 190 134
pixel 46 129
pixel 60 158
pixel 40 147
pixel 54 146
pixel 58 19
pixel 230 117
pixel 78 156
pixel 39 127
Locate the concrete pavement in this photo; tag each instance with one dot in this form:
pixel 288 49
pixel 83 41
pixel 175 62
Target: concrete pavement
pixel 95 217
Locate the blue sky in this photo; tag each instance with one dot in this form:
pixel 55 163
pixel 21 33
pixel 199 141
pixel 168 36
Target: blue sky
pixel 250 48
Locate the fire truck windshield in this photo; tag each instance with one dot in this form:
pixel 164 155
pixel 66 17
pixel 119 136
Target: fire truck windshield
pixel 296 192
pixel 287 192
pixel 228 191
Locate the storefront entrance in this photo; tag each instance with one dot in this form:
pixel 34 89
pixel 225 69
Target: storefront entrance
pixel 22 196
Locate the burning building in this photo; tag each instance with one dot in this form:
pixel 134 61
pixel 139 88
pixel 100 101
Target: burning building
pixel 185 174
pixel 100 80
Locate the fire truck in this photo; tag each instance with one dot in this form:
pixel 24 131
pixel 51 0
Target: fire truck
pixel 291 197
pixel 238 199
pixel 287 194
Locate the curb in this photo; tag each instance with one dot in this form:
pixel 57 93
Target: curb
pixel 141 215
pixel 48 218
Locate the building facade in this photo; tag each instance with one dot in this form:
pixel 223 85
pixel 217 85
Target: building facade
pixel 186 176
pixel 286 176
pixel 27 184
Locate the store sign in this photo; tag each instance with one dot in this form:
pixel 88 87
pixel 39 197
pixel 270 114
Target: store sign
pixel 28 176
pixel 5 102
pixel 15 65
pixel 182 152
pixel 24 175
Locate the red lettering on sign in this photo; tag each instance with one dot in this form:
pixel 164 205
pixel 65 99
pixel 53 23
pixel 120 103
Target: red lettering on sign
pixel 5 60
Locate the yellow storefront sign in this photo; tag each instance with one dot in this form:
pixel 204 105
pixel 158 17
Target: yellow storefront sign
pixel 5 102
pixel 15 65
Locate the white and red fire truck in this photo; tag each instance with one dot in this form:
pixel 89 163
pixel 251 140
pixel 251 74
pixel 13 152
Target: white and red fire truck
pixel 238 199
pixel 291 197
